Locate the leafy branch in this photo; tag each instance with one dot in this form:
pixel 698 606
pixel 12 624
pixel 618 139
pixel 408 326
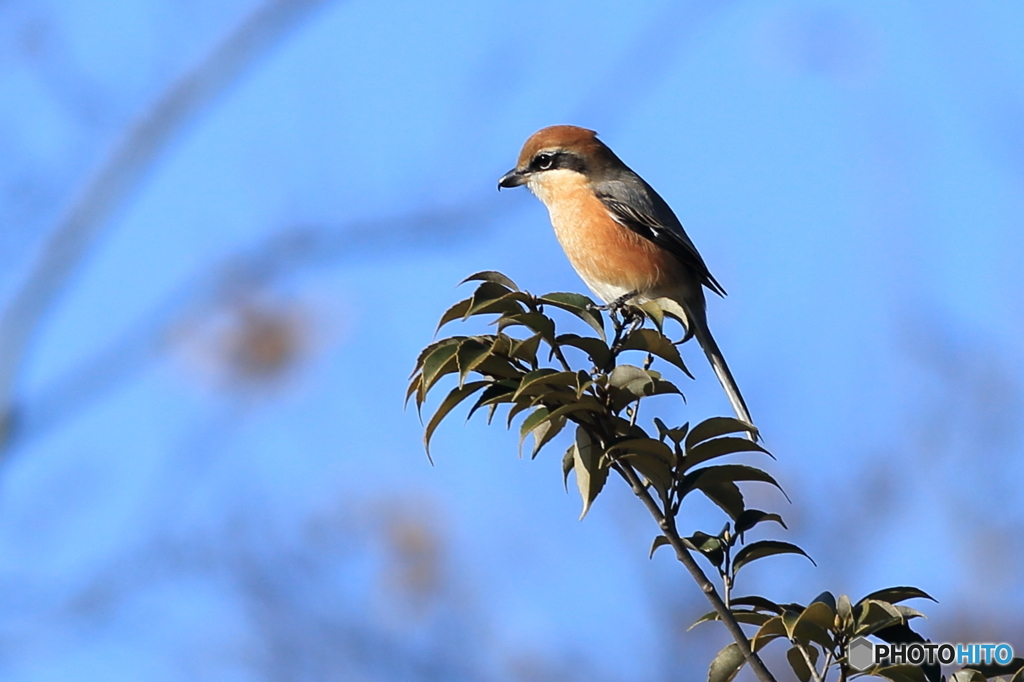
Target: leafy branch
pixel 662 466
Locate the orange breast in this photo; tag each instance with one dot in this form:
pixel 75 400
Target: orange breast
pixel 612 259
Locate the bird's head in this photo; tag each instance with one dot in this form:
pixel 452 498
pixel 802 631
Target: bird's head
pixel 555 154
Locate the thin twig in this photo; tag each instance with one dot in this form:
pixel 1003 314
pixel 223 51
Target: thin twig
pixel 667 525
pixel 810 664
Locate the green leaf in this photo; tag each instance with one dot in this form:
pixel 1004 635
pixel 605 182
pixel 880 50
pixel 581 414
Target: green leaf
pixel 536 418
pixel 909 613
pixel 544 432
pixel 814 625
pixel 701 478
pixel 596 349
pixel 715 427
pixel 671 308
pixel 726 495
pixel 763 548
pixel 509 304
pixel 708 545
pixel 659 541
pixel 580 306
pixel 654 313
pixel 485 293
pixel 726 664
pixel 439 363
pixel 872 615
pixel 772 629
pixel 654 342
pixel 491 276
pixel 675 435
pixel 623 375
pixel 456 312
pixel 455 397
pixel 820 614
pixel 751 517
pixel 535 375
pixel 828 600
pixel 741 616
pixel 568 462
pixel 894 595
pixel 471 353
pixel 591 471
pixel 645 445
pixel 799 665
pixel 633 383
pixel 654 470
pixel 497 392
pixel 526 349
pixel 758 604
pixel 719 447
pixel 537 322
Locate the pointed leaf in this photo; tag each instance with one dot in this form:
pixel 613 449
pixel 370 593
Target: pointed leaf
pixel 471 353
pixel 894 595
pixel 580 306
pixel 719 447
pixel 455 397
pixel 726 495
pixel 715 427
pixel 537 322
pixel 456 312
pixel 526 349
pixel 542 380
pixel 659 541
pixel 654 342
pixel 596 349
pixel 497 392
pixel 799 665
pixel 440 362
pixel 530 423
pixel 544 432
pixel 751 517
pixel 757 603
pixel 726 664
pixel 590 474
pixel 705 476
pixel 675 435
pixel 763 548
pixel 568 462
pixel 491 276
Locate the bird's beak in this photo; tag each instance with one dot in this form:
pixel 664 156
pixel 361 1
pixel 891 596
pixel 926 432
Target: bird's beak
pixel 514 178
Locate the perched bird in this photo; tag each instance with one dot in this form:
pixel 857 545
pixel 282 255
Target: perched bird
pixel 620 236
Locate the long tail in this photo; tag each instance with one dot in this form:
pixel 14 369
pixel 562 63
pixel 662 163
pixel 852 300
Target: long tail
pixel 699 328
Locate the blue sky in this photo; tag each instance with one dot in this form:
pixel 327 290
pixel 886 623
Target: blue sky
pixel 853 173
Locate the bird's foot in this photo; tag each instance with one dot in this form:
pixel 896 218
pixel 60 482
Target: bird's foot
pixel 618 304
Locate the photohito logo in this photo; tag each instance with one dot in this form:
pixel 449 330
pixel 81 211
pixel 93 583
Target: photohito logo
pixel 863 654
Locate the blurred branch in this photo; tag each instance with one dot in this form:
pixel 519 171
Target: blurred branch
pixel 123 172
pixel 279 255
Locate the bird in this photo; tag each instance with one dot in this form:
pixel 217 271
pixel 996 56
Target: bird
pixel 620 236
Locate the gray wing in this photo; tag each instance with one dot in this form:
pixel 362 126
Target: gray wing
pixel 636 205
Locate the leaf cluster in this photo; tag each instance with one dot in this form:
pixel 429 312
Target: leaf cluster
pixel 510 368
pixel 524 367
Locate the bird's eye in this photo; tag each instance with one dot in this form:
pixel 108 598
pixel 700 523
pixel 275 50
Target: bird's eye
pixel 544 161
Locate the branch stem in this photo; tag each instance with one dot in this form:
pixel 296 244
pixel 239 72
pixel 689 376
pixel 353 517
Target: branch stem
pixel 668 527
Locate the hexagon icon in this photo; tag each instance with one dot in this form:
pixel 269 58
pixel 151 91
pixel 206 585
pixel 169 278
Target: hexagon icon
pixel 861 654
